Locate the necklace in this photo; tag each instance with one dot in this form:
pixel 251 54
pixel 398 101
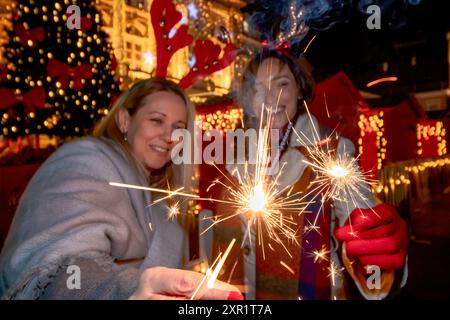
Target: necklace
pixel 285 137
pixel 276 159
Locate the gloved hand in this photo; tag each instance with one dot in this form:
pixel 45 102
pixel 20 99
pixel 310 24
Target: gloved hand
pixel 376 236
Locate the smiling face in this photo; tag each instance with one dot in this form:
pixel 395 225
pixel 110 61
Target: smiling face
pixel 149 130
pixel 275 88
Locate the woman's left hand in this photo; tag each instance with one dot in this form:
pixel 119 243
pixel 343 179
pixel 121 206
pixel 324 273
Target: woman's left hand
pixel 376 236
pixel 160 283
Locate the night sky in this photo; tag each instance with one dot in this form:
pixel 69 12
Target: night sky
pixel 418 31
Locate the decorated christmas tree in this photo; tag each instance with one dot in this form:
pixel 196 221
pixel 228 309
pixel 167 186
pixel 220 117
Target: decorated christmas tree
pixel 59 76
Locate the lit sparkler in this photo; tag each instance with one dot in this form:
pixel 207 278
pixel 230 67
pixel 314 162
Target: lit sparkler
pixel 173 210
pixel 261 203
pixel 213 272
pixel 169 192
pixel 338 176
pixel 258 199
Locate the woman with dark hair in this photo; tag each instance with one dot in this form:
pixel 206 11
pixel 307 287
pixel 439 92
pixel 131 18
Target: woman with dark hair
pixel 294 74
pixel 76 237
pixel 376 239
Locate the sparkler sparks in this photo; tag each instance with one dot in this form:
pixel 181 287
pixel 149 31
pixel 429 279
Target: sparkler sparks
pixel 287 267
pixel 257 201
pixel 219 266
pixel 334 272
pixel 309 43
pixel 169 192
pixel 320 255
pixel 311 227
pixel 338 176
pixel 213 272
pixel 174 211
pixel 263 205
pixel 257 197
pixel 337 171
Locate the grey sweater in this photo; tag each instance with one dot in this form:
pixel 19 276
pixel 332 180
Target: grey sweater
pixel 70 216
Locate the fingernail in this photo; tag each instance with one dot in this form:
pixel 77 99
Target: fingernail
pixel 234 295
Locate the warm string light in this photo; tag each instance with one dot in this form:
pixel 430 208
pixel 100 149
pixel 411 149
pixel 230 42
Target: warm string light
pixel 429 132
pixel 392 181
pixel 373 124
pixel 220 120
pixel 428 164
pixel 394 184
pixel 395 180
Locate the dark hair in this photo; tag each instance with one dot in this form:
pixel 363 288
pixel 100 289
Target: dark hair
pixel 299 67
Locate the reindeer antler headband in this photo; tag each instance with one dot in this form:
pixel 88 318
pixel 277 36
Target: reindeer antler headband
pixel 164 16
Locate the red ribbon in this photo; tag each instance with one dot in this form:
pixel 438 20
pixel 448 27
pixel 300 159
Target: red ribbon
pixel 3 74
pixel 86 23
pixel 35 35
pixel 63 71
pixel 283 46
pixel 35 98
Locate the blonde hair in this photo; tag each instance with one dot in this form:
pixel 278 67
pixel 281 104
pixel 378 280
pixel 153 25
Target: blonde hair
pixel 171 175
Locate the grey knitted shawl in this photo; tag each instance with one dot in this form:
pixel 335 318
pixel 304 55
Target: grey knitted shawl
pixel 70 215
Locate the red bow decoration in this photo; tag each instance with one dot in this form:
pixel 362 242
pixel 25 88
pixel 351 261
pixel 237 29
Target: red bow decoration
pixel 63 71
pixel 36 35
pixel 164 17
pixel 283 46
pixel 86 23
pixel 35 98
pixel 207 61
pixel 3 74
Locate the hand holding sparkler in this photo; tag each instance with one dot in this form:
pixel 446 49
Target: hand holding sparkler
pixel 210 278
pixel 376 236
pixel 161 283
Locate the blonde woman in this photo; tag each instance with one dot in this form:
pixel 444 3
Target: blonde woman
pixel 76 237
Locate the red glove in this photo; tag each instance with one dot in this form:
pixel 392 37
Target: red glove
pixel 376 236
